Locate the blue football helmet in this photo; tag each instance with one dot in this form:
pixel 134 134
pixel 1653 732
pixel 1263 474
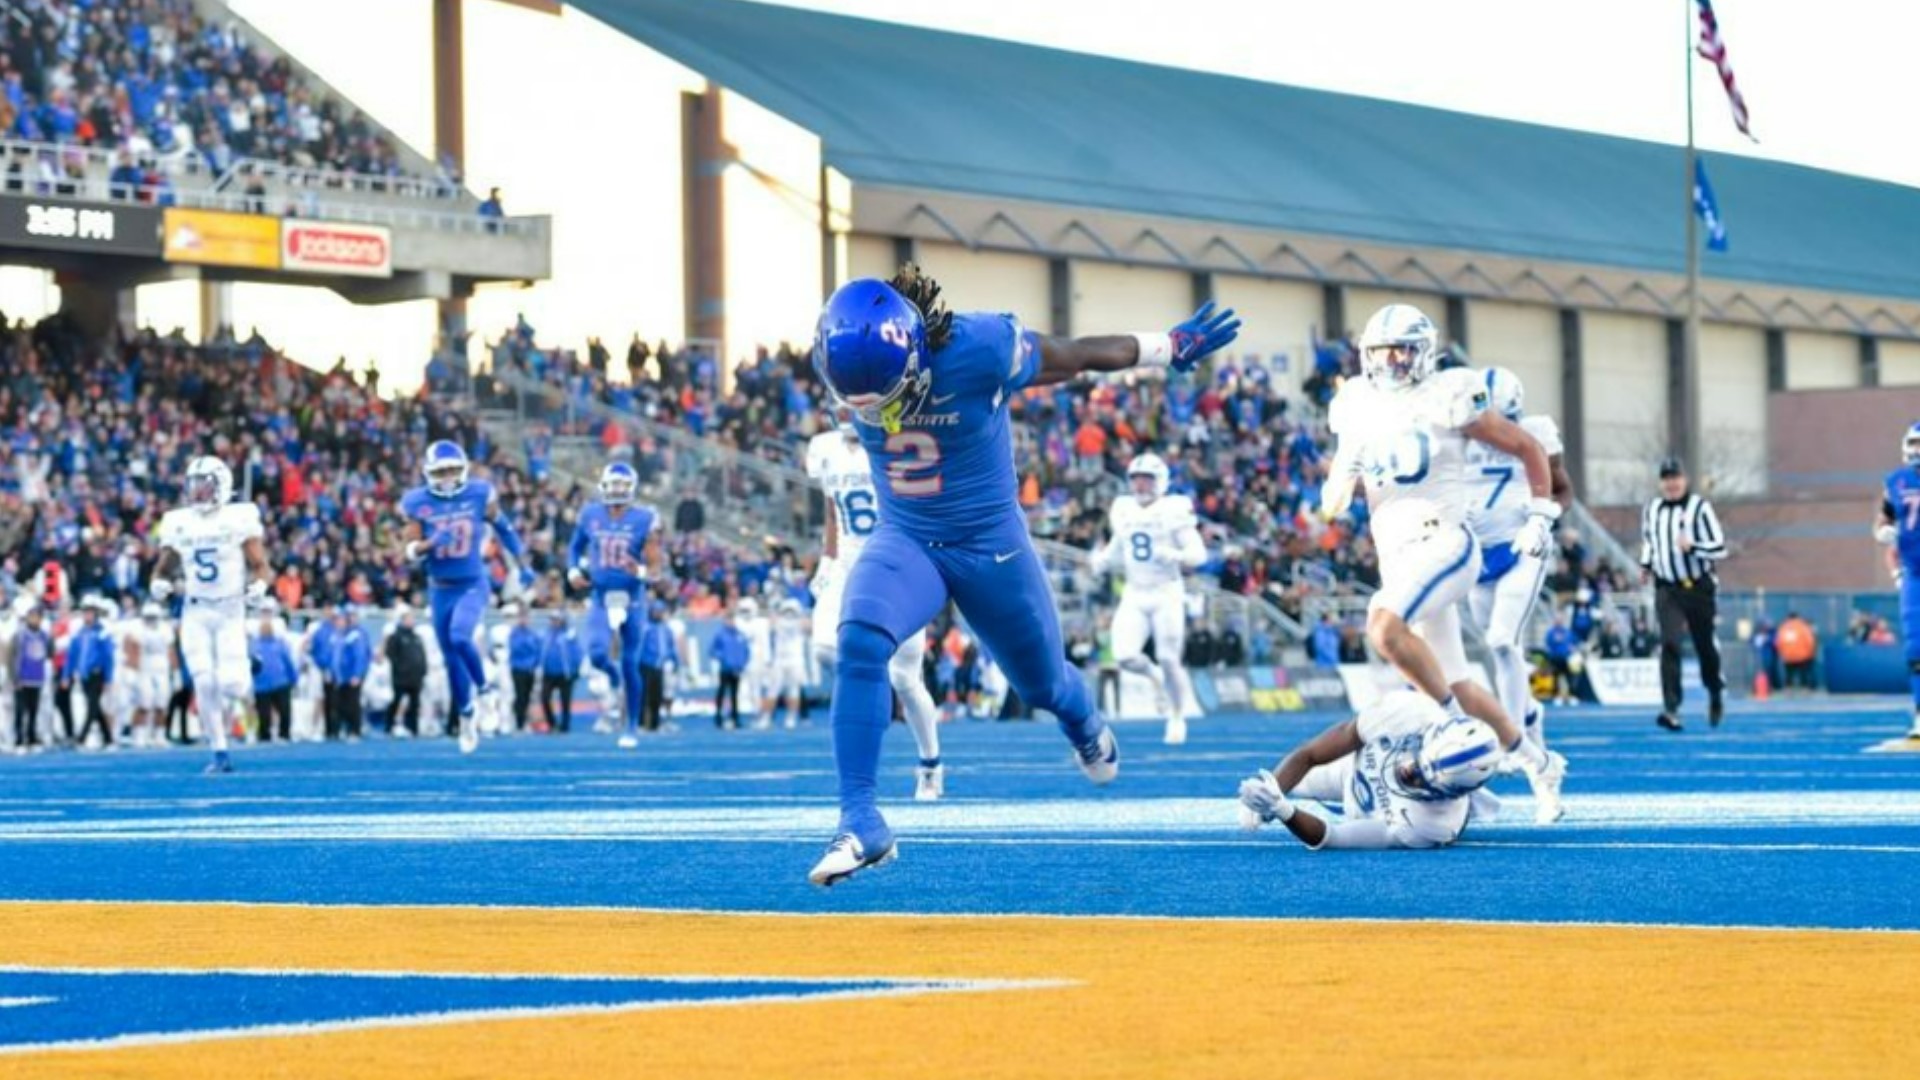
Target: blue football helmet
pixel 446 468
pixel 1910 446
pixel 870 348
pixel 618 484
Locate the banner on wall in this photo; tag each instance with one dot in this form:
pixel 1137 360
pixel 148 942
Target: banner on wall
pixel 1626 682
pixel 331 247
pixel 218 238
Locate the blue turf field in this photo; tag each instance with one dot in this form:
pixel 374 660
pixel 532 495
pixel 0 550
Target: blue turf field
pixel 1779 819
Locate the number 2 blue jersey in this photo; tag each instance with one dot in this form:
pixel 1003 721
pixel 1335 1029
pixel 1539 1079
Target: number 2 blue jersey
pixel 947 474
pixel 455 526
pixel 612 549
pixel 1903 505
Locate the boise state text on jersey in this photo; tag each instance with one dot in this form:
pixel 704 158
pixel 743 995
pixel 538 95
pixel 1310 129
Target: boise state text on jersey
pixel 958 445
pixel 454 527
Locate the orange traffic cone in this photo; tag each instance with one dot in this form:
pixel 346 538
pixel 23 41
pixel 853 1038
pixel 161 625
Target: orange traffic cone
pixel 1761 686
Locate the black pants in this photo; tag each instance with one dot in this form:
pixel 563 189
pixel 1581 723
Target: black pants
pixel 92 688
pixel 26 716
pixel 405 709
pixel 274 710
pixel 1685 612
pixel 63 704
pixel 342 704
pixel 522 698
pixel 178 705
pixel 562 718
pixel 729 691
pixel 653 684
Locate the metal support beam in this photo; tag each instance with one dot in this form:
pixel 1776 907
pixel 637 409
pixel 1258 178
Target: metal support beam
pixel 1333 309
pixel 905 250
pixel 703 185
pixel 450 140
pixel 1573 399
pixel 1060 291
pixel 1202 287
pixel 1776 359
pixel 1869 360
pixel 1457 321
pixel 1680 426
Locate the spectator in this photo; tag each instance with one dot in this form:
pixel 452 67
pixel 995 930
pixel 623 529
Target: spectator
pixel 523 662
pixel 90 664
pixel 406 657
pixel 492 210
pixel 561 654
pixel 1559 648
pixel 1325 642
pixel 731 653
pixel 274 674
pixel 29 662
pixel 658 651
pixel 1642 643
pixel 340 651
pixel 1796 643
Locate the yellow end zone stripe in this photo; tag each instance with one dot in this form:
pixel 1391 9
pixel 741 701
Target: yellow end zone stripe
pixel 1152 997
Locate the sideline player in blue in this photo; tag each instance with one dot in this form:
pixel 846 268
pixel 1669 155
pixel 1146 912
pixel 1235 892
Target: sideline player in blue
pixel 929 391
pixel 447 521
pixel 614 548
pixel 1899 529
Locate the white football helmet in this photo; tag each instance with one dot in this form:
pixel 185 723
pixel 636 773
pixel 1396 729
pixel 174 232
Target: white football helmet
pixel 1399 346
pixel 151 611
pixel 747 608
pixel 1148 465
pixel 1457 756
pixel 209 484
pixel 618 484
pixel 1505 395
pixel 1910 446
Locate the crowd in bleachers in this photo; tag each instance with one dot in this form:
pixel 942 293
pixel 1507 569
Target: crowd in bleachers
pixel 158 80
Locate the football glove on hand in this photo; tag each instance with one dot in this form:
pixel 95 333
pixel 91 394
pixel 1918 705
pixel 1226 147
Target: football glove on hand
pixel 1536 536
pixel 1262 802
pixel 1206 332
pixel 161 589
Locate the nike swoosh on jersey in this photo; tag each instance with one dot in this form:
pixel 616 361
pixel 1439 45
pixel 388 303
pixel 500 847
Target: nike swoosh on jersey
pixel 1005 557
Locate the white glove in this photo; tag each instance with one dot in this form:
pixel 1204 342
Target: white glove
pixel 1886 534
pixel 161 588
pixel 417 550
pixel 1536 536
pixel 576 577
pixel 1262 802
pixel 256 591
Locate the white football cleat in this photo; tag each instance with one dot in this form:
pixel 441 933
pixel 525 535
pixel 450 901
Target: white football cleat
pixel 929 782
pixel 1546 782
pixel 846 857
pixel 1176 731
pixel 1100 758
pixel 628 742
pixel 469 731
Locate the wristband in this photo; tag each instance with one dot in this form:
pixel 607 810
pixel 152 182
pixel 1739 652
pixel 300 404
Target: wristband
pixel 1155 349
pixel 1545 508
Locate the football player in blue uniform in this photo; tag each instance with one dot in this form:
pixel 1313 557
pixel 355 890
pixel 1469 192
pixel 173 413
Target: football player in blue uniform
pixel 613 549
pixel 447 520
pixel 929 392
pixel 1899 529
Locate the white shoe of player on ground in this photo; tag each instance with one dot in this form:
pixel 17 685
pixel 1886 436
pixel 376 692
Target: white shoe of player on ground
pixel 1100 758
pixel 846 857
pixel 1546 789
pixel 929 782
pixel 1176 731
pixel 1915 732
pixel 469 731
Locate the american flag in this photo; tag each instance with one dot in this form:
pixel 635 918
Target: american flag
pixel 1713 48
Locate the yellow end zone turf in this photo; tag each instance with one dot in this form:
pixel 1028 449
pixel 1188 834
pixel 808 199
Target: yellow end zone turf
pixel 1150 997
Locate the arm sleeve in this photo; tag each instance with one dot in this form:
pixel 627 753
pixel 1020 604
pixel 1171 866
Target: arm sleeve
pixel 1367 834
pixel 1024 363
pixel 577 544
pixel 503 529
pixel 1709 542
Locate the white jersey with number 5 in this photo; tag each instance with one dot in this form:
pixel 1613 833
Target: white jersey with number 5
pixel 839 465
pixel 1148 540
pixel 1409 449
pixel 212 548
pixel 1499 483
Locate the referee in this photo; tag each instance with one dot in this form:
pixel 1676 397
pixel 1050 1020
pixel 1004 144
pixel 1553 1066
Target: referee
pixel 1680 541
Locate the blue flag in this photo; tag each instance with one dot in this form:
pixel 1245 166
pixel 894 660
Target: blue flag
pixel 1707 208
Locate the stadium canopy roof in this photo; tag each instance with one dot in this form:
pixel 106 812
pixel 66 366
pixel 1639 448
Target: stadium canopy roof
pixel 901 107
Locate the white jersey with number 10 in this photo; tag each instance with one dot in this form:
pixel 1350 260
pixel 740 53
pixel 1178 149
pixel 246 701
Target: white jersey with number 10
pixel 1408 447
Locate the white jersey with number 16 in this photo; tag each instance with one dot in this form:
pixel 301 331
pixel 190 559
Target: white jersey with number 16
pixel 840 466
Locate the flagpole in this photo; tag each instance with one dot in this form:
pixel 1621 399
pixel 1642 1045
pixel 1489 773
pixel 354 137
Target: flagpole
pixel 1685 428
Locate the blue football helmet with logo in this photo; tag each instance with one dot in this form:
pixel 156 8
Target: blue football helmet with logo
pixel 870 348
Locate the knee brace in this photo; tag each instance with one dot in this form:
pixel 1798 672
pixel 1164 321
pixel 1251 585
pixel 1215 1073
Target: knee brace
pixel 865 650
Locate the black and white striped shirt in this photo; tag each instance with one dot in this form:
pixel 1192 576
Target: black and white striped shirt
pixel 1663 523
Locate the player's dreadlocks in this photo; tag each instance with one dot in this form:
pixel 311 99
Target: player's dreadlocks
pixel 924 293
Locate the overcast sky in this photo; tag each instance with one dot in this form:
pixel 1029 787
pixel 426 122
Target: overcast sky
pixel 1827 85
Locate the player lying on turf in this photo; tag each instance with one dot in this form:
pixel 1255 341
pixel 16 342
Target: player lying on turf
pixel 1403 773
